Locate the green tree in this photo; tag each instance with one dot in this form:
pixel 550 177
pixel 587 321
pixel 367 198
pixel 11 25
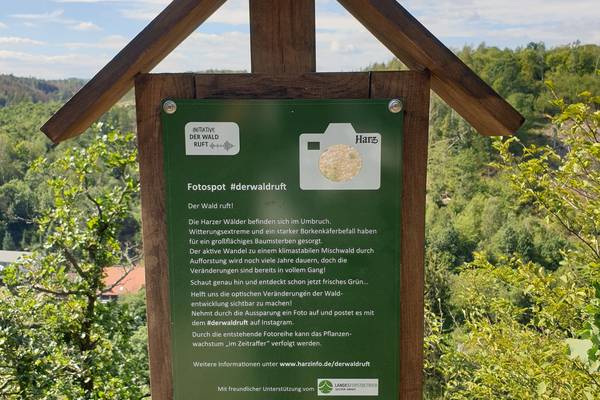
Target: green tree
pixel 563 182
pixel 513 343
pixel 20 145
pixel 519 319
pixel 57 339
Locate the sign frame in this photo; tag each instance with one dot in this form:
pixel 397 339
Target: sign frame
pixel 412 86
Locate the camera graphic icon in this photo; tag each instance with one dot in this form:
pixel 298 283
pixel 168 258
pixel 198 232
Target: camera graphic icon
pixel 340 159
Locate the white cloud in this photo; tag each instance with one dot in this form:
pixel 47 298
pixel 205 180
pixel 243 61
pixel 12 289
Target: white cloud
pixel 56 17
pixel 233 12
pixel 49 66
pixel 3 25
pixel 348 51
pixel 142 11
pixel 86 26
pixel 11 40
pixel 343 44
pixel 21 56
pixel 84 1
pixel 112 42
pixel 332 21
pixel 510 22
pixel 202 51
pixel 49 16
pixel 165 2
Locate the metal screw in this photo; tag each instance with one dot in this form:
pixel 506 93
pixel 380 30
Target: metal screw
pixel 169 107
pixel 395 106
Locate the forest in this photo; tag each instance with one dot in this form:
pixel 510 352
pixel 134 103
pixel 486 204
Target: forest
pixel 512 240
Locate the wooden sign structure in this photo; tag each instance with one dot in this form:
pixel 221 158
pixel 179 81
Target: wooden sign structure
pixel 283 67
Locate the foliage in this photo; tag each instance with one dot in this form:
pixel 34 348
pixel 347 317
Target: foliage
pixel 518 319
pixel 512 343
pixel 494 334
pixel 21 143
pixel 519 75
pixel 564 182
pixel 136 304
pixel 590 331
pixel 57 339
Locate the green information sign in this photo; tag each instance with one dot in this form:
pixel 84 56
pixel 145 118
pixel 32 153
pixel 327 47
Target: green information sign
pixel 284 248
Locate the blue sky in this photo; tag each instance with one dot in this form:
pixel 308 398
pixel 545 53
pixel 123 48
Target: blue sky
pixel 75 38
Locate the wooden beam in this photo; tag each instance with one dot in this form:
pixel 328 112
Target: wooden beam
pixel 282 36
pixel 353 85
pixel 414 88
pixel 451 79
pixel 150 91
pixel 142 54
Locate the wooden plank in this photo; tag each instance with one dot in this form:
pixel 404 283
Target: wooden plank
pixel 414 88
pixel 302 86
pixel 150 90
pixel 282 36
pixel 451 79
pixel 142 54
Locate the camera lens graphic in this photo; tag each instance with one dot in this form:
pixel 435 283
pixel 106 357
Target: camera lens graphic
pixel 340 163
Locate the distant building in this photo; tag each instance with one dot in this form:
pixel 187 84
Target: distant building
pixel 132 283
pixel 115 278
pixel 9 257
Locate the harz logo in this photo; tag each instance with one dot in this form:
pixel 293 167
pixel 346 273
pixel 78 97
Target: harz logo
pixel 340 159
pixel 364 139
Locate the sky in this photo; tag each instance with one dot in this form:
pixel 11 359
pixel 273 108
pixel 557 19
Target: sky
pixel 56 39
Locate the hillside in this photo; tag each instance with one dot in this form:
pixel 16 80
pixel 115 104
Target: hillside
pixel 15 90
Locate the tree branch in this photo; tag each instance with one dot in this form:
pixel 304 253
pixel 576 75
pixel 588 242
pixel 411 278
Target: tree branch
pixel 62 293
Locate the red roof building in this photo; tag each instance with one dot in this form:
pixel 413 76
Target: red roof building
pixel 120 282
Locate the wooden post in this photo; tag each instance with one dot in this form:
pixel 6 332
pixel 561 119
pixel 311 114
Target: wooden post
pixel 149 93
pixel 282 36
pixel 415 93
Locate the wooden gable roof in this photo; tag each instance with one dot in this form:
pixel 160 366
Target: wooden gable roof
pixel 387 20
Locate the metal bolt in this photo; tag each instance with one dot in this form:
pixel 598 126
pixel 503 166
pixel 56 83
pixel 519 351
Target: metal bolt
pixel 169 107
pixel 395 106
